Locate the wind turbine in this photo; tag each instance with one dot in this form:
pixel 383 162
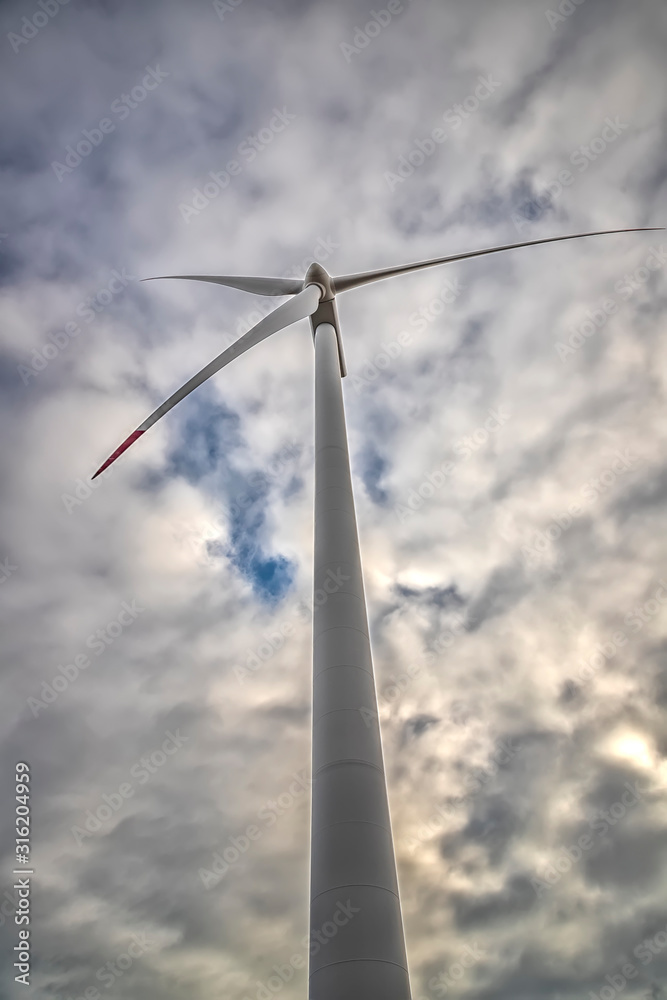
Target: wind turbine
pixel 352 849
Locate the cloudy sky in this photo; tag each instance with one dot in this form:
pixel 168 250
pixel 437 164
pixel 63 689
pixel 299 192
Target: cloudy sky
pixel 509 466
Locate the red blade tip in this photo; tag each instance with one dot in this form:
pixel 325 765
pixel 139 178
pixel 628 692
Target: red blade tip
pixel 119 451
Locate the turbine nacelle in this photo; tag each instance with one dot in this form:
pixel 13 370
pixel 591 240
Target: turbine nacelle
pixel 326 312
pixel 317 275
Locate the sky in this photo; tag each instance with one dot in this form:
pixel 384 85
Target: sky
pixel 506 419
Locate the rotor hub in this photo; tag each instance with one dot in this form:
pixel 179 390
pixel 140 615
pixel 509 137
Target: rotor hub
pixel 316 275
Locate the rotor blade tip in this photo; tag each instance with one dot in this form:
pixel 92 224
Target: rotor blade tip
pixel 119 451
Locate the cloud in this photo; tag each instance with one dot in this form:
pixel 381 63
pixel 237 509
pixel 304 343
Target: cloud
pixel 207 522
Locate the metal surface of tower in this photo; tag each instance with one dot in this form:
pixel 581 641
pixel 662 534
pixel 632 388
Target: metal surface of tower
pixel 352 851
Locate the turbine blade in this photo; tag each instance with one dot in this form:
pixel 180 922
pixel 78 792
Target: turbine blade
pixel 258 286
pixel 301 306
pixel 348 281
